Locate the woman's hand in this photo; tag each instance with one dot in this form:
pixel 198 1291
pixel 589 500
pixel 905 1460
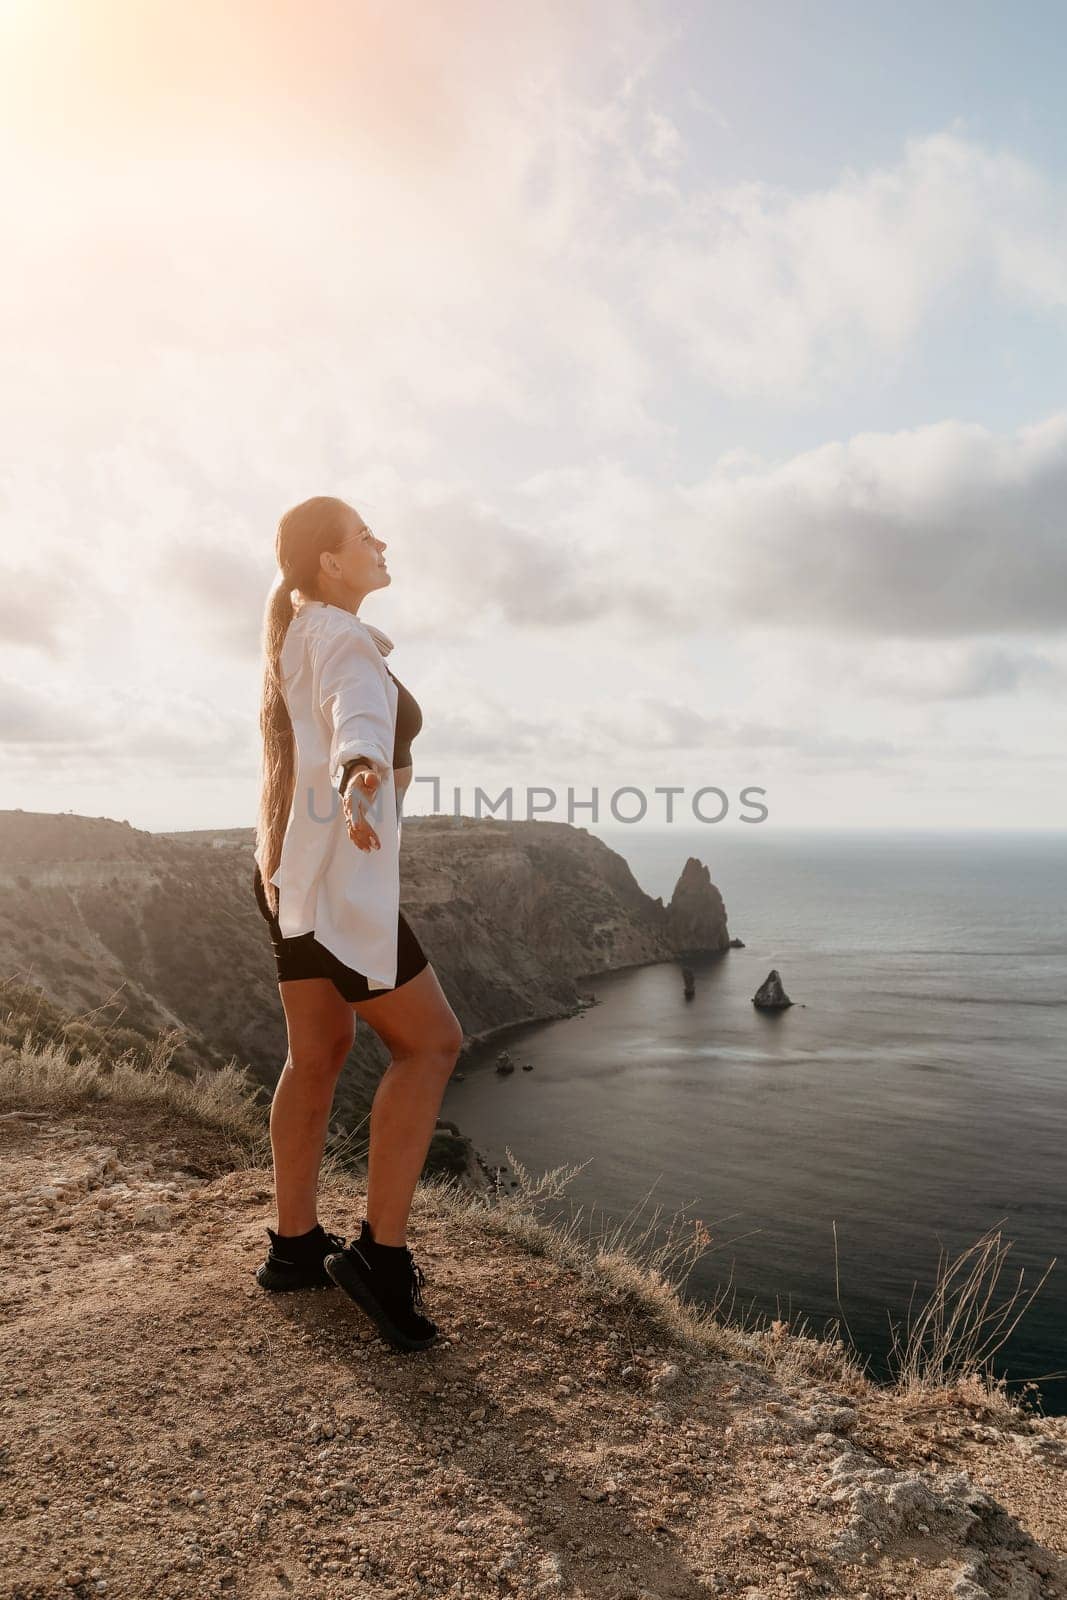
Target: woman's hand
pixel 358 797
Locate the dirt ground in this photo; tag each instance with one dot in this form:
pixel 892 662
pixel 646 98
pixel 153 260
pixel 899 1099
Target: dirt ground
pixel 167 1428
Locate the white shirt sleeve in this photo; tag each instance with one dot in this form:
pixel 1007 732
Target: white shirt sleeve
pixel 349 691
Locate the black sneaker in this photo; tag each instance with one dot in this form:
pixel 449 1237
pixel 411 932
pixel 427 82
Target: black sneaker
pixel 387 1287
pixel 299 1267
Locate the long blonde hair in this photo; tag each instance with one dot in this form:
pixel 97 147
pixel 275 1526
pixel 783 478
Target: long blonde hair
pixel 304 532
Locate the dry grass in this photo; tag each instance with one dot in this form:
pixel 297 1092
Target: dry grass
pixel 944 1352
pixel 48 1075
pixel 949 1344
pixel 645 1267
pixel 345 1154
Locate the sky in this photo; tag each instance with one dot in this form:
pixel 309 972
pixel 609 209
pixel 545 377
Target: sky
pixel 700 365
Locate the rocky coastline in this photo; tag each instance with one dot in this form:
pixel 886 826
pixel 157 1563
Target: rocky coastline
pixel 122 934
pixel 562 906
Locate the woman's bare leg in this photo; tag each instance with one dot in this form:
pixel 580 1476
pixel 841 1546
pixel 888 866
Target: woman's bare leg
pixel 321 1030
pixel 423 1035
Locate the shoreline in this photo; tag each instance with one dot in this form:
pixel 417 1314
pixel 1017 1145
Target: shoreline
pixel 498 1172
pixel 474 1041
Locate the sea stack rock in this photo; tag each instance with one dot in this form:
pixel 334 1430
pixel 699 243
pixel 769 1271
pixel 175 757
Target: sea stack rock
pixel 696 915
pixel 770 996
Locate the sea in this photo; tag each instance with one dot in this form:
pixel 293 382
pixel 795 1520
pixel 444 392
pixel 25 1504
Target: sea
pixel 851 1151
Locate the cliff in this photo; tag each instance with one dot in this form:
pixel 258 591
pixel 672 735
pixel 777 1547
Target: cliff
pixel 133 932
pixel 515 915
pixel 576 1433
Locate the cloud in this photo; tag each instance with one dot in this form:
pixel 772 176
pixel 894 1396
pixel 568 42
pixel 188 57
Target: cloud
pixel 473 568
pixel 654 724
pixel 414 213
pixel 595 734
pixel 33 719
pixel 219 586
pixel 783 294
pixel 942 532
pixel 121 731
pixel 921 671
pixel 34 610
pixel 937 531
pixel 486 214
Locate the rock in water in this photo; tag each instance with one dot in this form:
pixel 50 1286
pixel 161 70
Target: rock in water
pixel 696 916
pixel 770 996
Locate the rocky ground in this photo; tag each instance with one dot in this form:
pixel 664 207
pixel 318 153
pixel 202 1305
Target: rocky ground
pixel 168 1429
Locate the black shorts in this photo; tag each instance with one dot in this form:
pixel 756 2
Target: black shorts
pixel 304 957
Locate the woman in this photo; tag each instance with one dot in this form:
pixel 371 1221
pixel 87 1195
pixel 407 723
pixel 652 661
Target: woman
pixel 336 731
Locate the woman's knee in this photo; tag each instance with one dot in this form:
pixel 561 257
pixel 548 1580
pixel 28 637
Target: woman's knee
pixel 320 1059
pixel 447 1037
pixel 438 1048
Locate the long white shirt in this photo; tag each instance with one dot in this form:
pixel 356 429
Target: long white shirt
pixel 342 703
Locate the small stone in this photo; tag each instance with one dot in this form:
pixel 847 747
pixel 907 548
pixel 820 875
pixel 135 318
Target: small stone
pixel 152 1216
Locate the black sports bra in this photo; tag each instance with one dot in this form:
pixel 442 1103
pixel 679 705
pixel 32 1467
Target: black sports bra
pixel 408 723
